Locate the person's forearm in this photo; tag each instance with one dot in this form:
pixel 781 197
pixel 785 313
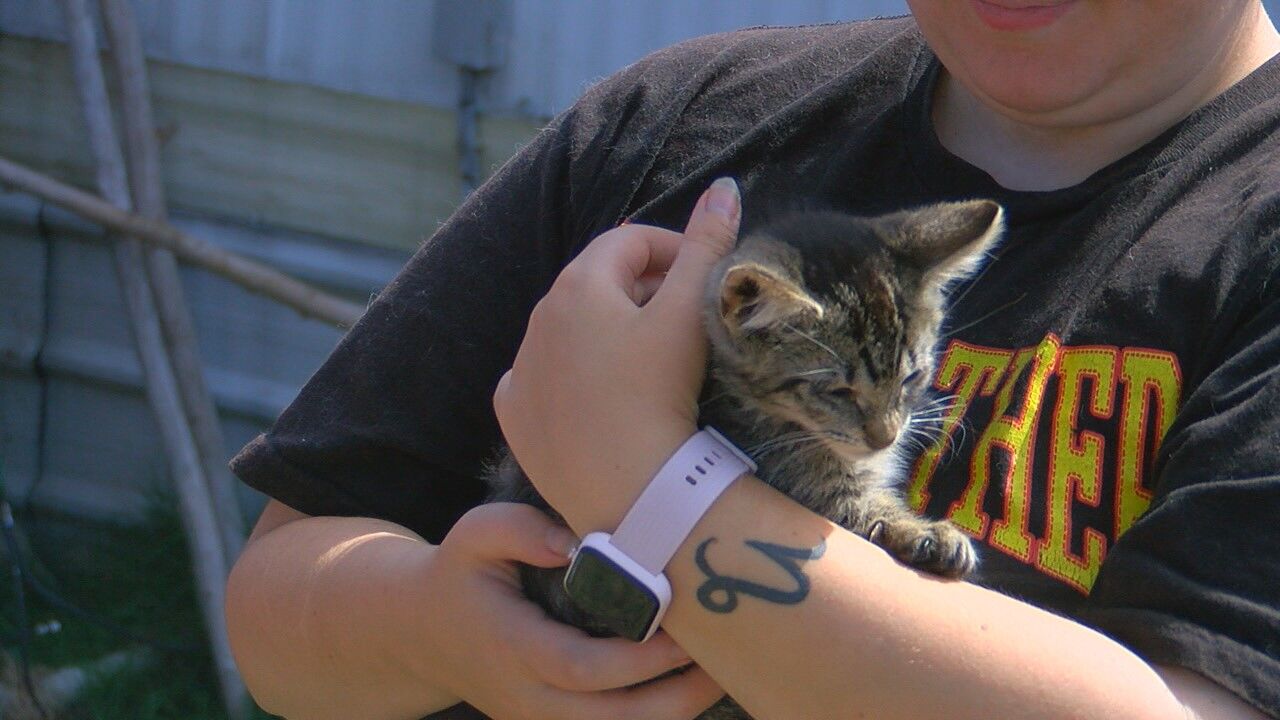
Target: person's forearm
pixel 876 638
pixel 321 613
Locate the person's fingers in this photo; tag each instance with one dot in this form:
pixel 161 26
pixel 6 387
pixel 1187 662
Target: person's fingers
pixel 570 659
pixel 679 697
pixel 646 287
pixel 513 531
pixel 622 256
pixel 711 234
pixel 661 246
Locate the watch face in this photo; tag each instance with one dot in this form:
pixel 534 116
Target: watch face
pixel 621 602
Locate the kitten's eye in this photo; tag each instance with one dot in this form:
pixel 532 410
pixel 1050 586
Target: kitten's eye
pixel 843 393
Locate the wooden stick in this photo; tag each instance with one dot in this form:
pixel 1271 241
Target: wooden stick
pixel 208 560
pixel 146 184
pixel 253 276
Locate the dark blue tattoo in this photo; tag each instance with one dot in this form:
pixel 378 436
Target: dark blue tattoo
pixel 719 593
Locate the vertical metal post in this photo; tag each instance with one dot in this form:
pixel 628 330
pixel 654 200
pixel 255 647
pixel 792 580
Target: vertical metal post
pixel 472 34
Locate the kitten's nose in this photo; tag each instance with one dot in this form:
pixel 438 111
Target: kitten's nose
pixel 880 434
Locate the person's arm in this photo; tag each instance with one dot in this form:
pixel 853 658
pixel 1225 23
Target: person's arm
pixel 604 387
pixel 911 645
pixel 354 617
pixel 317 611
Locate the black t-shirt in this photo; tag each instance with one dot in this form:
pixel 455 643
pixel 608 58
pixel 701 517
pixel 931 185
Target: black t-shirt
pixel 1116 366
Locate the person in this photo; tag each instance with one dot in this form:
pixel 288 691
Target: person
pixel 1115 369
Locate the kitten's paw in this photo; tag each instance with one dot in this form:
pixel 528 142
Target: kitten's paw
pixel 938 547
pixel 944 550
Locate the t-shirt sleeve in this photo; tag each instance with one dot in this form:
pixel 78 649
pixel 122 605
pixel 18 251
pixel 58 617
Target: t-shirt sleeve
pixel 398 422
pixel 1195 582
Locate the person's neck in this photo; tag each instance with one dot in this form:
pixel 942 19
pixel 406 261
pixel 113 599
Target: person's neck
pixel 1040 153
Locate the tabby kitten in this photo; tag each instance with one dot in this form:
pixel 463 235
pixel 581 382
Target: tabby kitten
pixel 822 329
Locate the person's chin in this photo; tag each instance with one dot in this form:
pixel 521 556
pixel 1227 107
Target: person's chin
pixel 1025 85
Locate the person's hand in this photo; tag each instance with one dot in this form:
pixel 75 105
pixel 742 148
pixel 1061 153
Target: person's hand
pixel 503 655
pixel 605 385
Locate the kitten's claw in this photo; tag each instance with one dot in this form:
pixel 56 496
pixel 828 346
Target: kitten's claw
pixel 876 534
pixel 925 553
pixel 950 554
pixel 934 546
pixel 963 556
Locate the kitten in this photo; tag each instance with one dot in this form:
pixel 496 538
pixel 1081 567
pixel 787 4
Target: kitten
pixel 822 329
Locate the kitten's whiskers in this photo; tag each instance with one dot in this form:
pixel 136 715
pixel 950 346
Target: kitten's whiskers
pixel 813 340
pixel 926 429
pixel 784 441
pixel 819 371
pixel 988 316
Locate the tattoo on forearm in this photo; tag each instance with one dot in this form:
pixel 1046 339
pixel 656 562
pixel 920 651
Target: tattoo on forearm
pixel 719 593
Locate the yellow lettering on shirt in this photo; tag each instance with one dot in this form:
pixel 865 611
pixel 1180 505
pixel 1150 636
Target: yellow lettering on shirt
pixel 1016 435
pixel 1152 381
pixel 965 372
pixel 1105 410
pixel 1075 464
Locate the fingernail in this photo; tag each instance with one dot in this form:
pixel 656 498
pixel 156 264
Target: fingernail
pixel 723 198
pixel 561 540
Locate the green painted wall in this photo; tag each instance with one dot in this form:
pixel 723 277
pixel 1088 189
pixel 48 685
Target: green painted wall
pixel 346 166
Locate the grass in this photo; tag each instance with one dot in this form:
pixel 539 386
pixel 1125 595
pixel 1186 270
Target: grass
pixel 137 576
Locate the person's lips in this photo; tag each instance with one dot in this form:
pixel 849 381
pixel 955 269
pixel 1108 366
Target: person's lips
pixel 1019 15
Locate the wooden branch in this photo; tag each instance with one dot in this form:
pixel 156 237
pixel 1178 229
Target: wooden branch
pixel 208 559
pixel 253 276
pixel 146 185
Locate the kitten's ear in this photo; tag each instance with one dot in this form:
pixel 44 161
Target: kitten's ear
pixel 753 297
pixel 946 240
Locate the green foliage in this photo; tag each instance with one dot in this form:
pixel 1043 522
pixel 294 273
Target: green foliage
pixel 137 576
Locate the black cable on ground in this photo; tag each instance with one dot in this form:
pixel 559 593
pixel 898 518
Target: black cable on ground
pixel 24 623
pixel 21 576
pixel 40 471
pixel 18 571
pixel 29 580
pixel 38 362
pixel 121 631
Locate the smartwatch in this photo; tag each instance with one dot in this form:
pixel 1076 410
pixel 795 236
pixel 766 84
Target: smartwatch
pixel 617 577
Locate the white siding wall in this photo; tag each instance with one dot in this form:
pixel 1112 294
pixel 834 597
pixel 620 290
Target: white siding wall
pixel 383 47
pixel 73 419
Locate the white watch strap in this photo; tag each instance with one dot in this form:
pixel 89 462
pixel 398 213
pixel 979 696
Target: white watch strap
pixel 677 497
